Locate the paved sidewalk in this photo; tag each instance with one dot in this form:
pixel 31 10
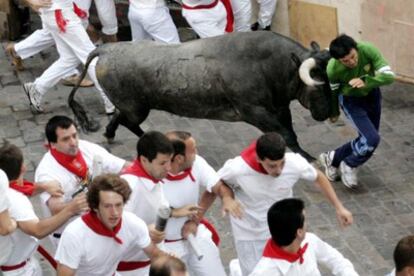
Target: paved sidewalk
pixel 383 207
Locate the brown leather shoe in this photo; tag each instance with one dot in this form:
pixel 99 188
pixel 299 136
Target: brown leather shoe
pixel 93 33
pixel 73 80
pixel 16 60
pixel 109 38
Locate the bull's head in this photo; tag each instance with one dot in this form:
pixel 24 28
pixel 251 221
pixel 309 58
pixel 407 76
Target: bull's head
pixel 316 94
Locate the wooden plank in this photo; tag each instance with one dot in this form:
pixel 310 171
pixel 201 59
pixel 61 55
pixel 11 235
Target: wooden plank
pixel 402 45
pixel 312 22
pixel 5 6
pixel 4 26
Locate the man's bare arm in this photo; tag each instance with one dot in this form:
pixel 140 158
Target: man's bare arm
pixel 230 204
pixel 42 228
pixel 343 215
pixel 63 270
pixel 7 224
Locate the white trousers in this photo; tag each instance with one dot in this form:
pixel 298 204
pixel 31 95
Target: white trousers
pixel 73 47
pixel 32 268
pixel 106 13
pixel 249 254
pixel 42 39
pixel 266 11
pixel 242 11
pixel 35 43
pixel 207 22
pixel 152 23
pixel 209 265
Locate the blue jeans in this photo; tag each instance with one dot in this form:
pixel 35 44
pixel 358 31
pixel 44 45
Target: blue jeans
pixel 365 114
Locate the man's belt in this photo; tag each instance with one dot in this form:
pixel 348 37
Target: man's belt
pixel 199 7
pixel 128 266
pixel 167 241
pixel 13 267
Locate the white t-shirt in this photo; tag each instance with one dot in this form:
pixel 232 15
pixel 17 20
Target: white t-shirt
pixel 317 251
pixel 257 192
pixel 4 185
pixel 145 200
pixel 4 205
pixel 185 191
pixel 19 245
pixel 89 253
pixel 49 169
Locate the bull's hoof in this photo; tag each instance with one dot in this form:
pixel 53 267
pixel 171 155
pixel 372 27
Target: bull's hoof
pixel 109 138
pixel 93 126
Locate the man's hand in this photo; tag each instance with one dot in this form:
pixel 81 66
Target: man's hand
pixel 356 83
pixel 155 235
pixel 344 217
pixel 78 204
pixel 232 206
pixel 190 227
pixel 37 4
pixel 54 188
pixel 190 210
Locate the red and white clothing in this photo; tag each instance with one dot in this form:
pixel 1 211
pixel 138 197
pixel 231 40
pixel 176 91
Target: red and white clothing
pixel 208 17
pixel 4 206
pixel 150 19
pixel 4 186
pixel 313 250
pixel 50 169
pixel 19 245
pixel 146 198
pixel 181 190
pixel 41 39
pixel 72 43
pixel 257 191
pixel 85 249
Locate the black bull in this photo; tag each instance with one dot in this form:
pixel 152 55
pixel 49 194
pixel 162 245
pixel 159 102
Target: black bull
pixel 250 77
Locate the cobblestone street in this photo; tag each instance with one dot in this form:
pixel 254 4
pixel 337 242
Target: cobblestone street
pixel 383 206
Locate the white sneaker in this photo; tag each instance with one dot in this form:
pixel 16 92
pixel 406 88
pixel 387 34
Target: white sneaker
pixel 348 175
pixel 34 97
pixel 109 107
pixel 325 159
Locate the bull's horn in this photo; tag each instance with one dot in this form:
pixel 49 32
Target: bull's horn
pixel 304 72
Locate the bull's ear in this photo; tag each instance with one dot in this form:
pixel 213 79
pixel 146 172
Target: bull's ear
pixel 315 46
pixel 295 59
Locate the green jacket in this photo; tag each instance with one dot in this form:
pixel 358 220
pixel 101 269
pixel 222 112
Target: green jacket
pixel 372 68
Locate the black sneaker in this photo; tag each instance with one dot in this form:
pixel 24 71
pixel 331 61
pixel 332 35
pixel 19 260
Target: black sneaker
pixel 255 26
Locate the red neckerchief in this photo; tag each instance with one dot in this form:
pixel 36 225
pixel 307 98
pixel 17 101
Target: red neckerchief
pixel 229 16
pixel 250 157
pixel 182 175
pixel 75 164
pixel 93 222
pixel 136 169
pixel 27 188
pixel 272 250
pixel 79 12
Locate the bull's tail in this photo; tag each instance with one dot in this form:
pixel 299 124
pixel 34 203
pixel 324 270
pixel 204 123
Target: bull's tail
pixel 78 110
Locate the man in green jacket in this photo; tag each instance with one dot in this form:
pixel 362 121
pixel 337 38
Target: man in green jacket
pixel 355 72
